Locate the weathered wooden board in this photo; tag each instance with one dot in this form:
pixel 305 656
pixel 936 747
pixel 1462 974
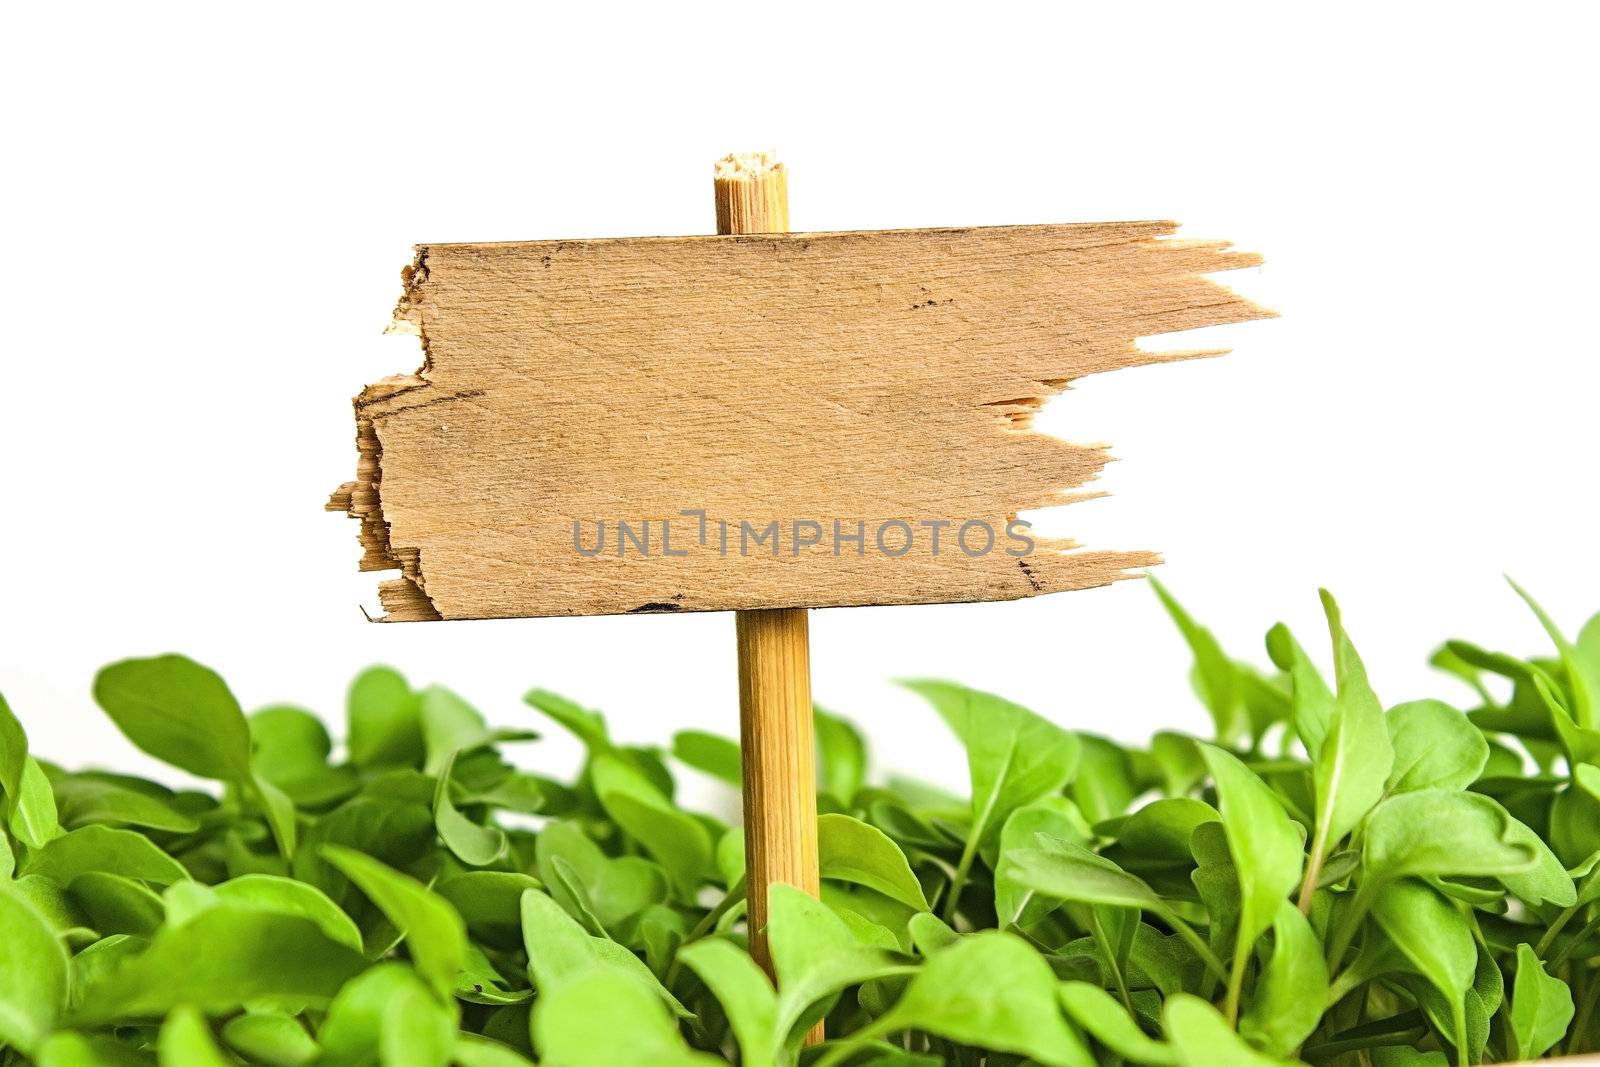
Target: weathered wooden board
pixel 881 381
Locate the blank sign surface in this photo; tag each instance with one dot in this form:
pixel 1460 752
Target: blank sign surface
pixel 691 424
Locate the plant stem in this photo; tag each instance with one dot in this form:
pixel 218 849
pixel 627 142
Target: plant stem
pixel 1577 1041
pixel 1574 941
pixel 1343 986
pixel 729 900
pixel 1308 885
pixel 1241 958
pixel 1555 928
pixel 1346 930
pixel 1196 942
pixel 1111 961
pixel 959 880
pixel 845 1047
pixel 1328 1050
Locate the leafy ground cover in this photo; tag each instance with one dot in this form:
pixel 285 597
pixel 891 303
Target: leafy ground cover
pixel 1324 879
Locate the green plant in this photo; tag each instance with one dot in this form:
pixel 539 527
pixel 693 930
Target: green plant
pixel 1325 879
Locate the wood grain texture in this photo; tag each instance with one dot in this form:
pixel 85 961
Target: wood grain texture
pixel 778 746
pixel 868 378
pixel 777 739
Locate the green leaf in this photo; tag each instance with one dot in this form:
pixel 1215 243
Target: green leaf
pixel 117 905
pixel 291 748
pixel 67 1049
pixel 710 753
pixel 1546 881
pixel 1158 834
pixel 602 1019
pixel 1430 931
pixel 179 712
pixel 588 726
pixel 873 919
pixel 1354 763
pixel 351 1035
pixel 673 838
pixel 560 951
pixel 220 960
pixel 1535 713
pixel 449 725
pixel 101 958
pixel 385 719
pixel 1435 747
pixel 993 991
pixel 481 982
pixel 815 956
pixel 101 848
pixel 850 850
pixel 1065 871
pixel 393 829
pixel 1586 656
pixel 1583 673
pixel 1108 1022
pixel 34 820
pixel 273 1039
pixel 1541 1007
pixel 1313 701
pixel 1435 833
pixel 1014 758
pixel 1178 759
pixel 1263 840
pixel 418 1029
pixel 528 794
pixel 1267 853
pixel 186 1041
pixel 583 879
pixel 474 845
pixel 475 1051
pixel 33 973
pixel 929 933
pixel 558 948
pixel 1215 677
pixel 1017 904
pixel 490 902
pixel 1103 786
pixel 433 931
pixel 1574 829
pixel 841 756
pixel 13 757
pixel 285 896
pixel 746 996
pixel 84 799
pixel 1202 1038
pixel 1292 991
pixel 289 743
pixel 280 815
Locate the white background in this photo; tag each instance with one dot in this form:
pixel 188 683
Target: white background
pixel 207 210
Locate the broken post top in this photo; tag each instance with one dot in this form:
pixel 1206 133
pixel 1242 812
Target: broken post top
pixel 781 420
pixel 752 191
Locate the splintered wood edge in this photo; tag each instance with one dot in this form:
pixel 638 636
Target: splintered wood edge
pixel 402 598
pixel 405 599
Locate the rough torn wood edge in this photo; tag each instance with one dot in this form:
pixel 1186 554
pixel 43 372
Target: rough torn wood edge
pixel 405 598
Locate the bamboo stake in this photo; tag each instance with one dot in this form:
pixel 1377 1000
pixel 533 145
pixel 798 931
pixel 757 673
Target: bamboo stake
pixel 778 740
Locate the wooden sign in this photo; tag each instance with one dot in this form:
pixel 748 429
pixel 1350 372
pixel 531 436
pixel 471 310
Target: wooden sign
pixel 787 420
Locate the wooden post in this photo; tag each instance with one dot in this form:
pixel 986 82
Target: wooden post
pixel 778 740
